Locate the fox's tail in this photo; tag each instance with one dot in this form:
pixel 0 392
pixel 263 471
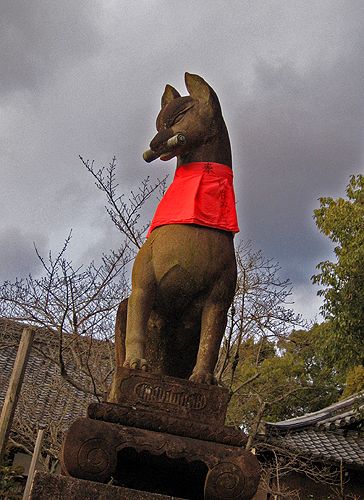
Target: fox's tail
pixel 120 334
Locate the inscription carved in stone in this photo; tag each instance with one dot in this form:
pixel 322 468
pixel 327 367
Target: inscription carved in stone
pixel 171 396
pixel 157 394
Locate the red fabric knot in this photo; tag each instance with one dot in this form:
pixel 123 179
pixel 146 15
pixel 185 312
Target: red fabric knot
pixel 201 193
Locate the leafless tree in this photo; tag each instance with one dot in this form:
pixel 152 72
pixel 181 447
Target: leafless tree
pixel 260 310
pixel 74 305
pixel 280 464
pixel 73 310
pixel 77 304
pixel 125 214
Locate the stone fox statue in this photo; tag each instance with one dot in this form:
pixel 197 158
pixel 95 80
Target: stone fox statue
pixel 184 276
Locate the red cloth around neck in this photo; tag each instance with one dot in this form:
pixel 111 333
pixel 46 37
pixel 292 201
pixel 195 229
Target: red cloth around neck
pixel 201 193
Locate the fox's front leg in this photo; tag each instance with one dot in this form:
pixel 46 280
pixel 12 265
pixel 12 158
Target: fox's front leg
pixel 212 330
pixel 213 324
pixel 139 308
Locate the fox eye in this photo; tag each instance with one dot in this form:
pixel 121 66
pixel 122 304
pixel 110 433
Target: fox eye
pixel 171 120
pixel 179 116
pixel 182 113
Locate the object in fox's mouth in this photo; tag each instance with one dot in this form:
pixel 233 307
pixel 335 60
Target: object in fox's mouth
pixel 176 140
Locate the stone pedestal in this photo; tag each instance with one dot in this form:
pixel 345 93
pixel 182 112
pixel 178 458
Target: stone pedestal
pixel 167 436
pixel 53 487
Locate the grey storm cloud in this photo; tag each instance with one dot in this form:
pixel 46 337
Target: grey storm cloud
pixel 301 137
pixel 38 37
pixel 86 78
pixel 17 253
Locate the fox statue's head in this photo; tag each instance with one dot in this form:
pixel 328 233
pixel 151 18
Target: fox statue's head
pixel 197 118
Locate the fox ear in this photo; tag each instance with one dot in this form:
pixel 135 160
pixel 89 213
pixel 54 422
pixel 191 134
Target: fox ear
pixel 197 87
pixel 169 94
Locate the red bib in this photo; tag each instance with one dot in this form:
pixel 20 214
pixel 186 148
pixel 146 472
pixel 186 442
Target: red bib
pixel 201 193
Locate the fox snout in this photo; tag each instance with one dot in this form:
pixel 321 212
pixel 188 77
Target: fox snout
pixel 160 139
pixel 166 149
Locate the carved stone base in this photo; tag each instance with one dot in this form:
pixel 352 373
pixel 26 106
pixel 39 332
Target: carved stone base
pixel 99 451
pixel 53 487
pixel 176 397
pixel 166 437
pixel 155 421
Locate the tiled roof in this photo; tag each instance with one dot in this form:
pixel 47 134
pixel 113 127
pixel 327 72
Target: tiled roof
pixel 333 433
pixel 328 445
pixel 337 415
pixel 46 399
pixel 43 389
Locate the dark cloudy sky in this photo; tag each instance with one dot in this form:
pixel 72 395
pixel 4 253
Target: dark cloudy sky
pixel 85 77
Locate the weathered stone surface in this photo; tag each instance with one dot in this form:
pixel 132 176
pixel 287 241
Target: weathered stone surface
pixel 163 422
pixel 168 404
pixel 201 403
pixel 184 274
pixel 158 462
pixel 53 487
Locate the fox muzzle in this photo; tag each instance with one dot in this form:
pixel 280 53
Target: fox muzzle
pixel 176 140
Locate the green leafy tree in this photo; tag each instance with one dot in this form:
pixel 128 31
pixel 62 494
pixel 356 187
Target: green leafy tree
pixel 268 360
pixel 280 379
pixel 342 220
pixel 354 381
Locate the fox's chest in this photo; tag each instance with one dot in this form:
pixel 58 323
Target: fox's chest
pixel 191 257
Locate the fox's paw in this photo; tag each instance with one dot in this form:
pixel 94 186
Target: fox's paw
pixel 136 364
pixel 202 377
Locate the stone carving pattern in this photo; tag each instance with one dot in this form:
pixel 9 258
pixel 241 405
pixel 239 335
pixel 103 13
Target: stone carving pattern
pixel 158 394
pixel 225 481
pixel 96 457
pixel 204 404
